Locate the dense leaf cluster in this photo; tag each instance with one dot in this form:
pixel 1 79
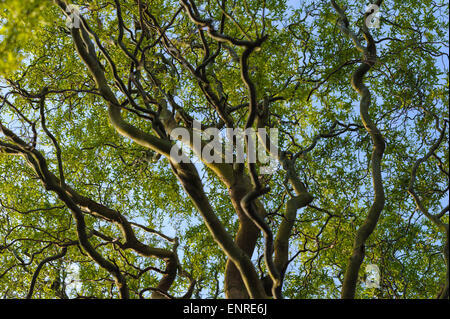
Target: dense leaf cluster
pixel 92 206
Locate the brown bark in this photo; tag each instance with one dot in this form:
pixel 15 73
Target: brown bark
pixel 363 233
pixel 245 238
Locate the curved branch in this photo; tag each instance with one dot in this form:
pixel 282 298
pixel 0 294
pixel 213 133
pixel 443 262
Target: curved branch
pixel 39 267
pixel 357 81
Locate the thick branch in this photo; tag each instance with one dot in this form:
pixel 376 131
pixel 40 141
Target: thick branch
pixel 366 229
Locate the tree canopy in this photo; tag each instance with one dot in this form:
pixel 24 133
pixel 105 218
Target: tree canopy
pixel 93 204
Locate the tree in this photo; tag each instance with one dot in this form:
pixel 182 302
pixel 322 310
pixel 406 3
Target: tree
pixel 95 204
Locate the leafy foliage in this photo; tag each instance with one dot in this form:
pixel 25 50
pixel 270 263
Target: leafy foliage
pixel 157 59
